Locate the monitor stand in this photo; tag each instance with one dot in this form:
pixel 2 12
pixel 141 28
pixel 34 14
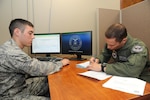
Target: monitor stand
pixel 48 55
pixel 78 58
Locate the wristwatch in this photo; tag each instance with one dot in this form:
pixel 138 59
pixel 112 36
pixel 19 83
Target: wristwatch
pixel 103 65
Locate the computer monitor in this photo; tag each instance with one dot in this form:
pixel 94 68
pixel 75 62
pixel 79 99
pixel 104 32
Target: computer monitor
pixel 79 43
pixel 46 43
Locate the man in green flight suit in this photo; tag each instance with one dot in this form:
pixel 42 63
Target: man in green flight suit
pixel 122 55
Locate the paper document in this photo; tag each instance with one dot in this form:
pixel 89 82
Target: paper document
pixel 96 75
pixel 126 84
pixel 83 65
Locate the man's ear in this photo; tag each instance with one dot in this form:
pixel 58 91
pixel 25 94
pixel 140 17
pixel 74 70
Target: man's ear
pixel 124 40
pixel 17 31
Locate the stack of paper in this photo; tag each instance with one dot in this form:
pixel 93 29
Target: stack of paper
pixel 83 65
pixel 126 84
pixel 96 75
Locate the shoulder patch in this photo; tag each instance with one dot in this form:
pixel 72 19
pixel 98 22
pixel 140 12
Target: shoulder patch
pixel 137 49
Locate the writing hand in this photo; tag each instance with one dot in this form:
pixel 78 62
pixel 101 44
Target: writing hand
pixel 94 66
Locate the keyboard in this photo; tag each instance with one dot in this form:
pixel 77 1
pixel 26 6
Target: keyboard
pixel 49 58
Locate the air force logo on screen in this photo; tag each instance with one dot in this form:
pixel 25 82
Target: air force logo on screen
pixel 75 42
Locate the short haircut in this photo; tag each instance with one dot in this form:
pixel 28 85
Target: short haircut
pixel 117 31
pixel 18 23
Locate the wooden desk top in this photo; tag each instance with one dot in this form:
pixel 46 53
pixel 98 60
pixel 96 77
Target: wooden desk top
pixel 68 85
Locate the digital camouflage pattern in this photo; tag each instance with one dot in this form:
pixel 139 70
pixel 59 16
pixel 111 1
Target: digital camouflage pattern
pixel 23 77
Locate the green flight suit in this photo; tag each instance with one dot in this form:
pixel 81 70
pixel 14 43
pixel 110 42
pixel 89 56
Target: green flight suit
pixel 129 61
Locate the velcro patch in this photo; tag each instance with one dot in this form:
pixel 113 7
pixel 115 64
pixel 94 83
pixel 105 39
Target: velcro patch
pixel 137 49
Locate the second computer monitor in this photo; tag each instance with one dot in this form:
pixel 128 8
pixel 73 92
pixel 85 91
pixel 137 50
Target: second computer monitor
pixel 79 43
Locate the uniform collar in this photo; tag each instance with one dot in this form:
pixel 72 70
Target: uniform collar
pixel 128 43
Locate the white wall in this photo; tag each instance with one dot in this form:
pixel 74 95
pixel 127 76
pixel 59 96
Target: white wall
pixel 5 17
pixel 54 15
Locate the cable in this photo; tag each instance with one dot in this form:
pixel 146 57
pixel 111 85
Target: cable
pixel 11 10
pixel 33 11
pixel 50 16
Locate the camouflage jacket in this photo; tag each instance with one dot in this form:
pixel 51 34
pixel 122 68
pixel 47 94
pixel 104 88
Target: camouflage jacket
pixel 16 65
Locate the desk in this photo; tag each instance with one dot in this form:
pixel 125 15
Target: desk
pixel 68 85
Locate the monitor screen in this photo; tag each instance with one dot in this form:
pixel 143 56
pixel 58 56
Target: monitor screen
pixel 46 43
pixel 79 43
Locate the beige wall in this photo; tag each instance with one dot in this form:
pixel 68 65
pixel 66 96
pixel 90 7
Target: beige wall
pixel 54 15
pixel 137 20
pixel 105 19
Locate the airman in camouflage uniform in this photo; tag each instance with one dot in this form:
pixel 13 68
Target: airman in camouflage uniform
pixel 23 77
pixel 129 56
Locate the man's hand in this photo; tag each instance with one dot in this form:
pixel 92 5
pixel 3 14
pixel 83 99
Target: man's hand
pixel 94 66
pixel 65 61
pixel 93 59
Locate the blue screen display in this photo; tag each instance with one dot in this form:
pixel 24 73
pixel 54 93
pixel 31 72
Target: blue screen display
pixel 77 43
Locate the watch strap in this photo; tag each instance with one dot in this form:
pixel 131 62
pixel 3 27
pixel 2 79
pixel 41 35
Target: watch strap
pixel 103 65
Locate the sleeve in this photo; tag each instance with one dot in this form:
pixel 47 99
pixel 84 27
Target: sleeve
pixel 134 65
pixel 105 55
pixel 34 67
pixel 44 68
